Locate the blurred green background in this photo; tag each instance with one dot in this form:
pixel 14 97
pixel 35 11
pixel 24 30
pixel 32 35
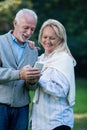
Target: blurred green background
pixel 73 15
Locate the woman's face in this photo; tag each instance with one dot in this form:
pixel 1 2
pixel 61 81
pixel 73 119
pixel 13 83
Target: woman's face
pixel 49 40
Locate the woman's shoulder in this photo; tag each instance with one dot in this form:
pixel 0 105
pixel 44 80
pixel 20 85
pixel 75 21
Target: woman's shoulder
pixel 41 56
pixel 66 55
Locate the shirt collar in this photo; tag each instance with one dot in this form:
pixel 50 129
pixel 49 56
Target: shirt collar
pixel 16 42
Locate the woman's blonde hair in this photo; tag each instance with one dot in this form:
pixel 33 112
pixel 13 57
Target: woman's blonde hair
pixel 60 32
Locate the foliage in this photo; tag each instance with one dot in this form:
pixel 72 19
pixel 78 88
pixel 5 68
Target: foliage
pixel 71 13
pixel 8 9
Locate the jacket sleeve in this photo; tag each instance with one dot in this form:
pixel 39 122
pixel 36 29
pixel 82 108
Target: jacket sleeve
pixel 55 84
pixel 7 74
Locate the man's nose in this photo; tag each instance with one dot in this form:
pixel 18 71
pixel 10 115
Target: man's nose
pixel 29 31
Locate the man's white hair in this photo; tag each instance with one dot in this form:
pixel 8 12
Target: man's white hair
pixel 22 12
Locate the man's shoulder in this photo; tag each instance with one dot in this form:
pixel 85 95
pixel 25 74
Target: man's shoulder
pixel 3 38
pixel 3 35
pixel 7 33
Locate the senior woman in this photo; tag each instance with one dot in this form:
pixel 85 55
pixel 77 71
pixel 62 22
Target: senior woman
pixel 55 96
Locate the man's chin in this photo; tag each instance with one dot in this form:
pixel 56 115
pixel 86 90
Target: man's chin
pixel 24 40
pixel 27 40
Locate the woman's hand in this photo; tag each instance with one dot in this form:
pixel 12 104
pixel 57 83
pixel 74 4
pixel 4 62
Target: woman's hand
pixel 32 45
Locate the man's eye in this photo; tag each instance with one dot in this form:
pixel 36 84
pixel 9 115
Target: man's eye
pixel 44 37
pixel 32 29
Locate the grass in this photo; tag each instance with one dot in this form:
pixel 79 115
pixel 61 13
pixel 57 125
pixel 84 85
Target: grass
pixel 80 122
pixel 80 108
pixel 81 92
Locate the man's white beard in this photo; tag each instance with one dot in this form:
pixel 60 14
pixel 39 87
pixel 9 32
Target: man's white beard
pixel 23 39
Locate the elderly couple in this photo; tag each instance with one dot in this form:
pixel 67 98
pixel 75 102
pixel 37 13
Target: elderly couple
pixel 54 85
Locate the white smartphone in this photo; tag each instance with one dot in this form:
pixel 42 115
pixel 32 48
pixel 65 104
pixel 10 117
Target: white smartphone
pixel 39 65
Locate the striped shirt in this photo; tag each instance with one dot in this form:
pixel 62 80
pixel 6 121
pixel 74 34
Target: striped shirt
pixel 52 108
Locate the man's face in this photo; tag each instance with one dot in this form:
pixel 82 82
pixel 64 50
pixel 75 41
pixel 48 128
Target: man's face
pixel 24 28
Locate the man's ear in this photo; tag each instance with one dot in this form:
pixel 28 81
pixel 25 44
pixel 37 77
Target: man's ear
pixel 14 23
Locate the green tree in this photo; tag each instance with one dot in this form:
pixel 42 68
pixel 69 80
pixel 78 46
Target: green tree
pixel 71 13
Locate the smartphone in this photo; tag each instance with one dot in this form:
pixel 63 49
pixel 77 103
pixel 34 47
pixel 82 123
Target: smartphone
pixel 39 65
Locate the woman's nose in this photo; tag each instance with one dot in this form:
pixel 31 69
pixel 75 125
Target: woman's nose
pixel 48 40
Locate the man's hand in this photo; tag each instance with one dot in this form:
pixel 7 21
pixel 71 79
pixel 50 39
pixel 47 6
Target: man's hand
pixel 31 75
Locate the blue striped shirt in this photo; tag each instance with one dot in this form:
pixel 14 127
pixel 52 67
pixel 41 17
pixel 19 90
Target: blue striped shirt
pixel 52 108
pixel 19 48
